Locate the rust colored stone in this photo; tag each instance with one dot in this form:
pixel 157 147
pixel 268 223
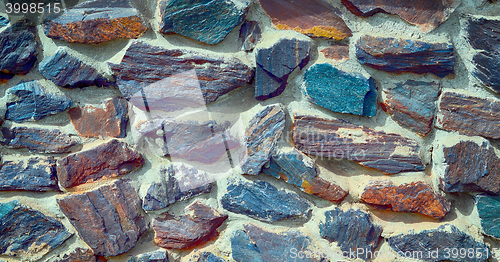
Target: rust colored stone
pixel 324 189
pixel 339 52
pixel 79 255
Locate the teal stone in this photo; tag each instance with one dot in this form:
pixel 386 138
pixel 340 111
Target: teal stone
pixel 488 207
pixel 339 91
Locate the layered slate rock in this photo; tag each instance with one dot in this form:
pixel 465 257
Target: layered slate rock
pixel 27 233
pixel 95 22
pixel 208 21
pixel 444 238
pixel 209 257
pixel 30 101
pixel 32 174
pixel 488 208
pixel 18 53
pixel 37 139
pixel 315 18
pixel 115 159
pixel 143 69
pixel 263 201
pixel 412 104
pixel 261 136
pixel 417 197
pixel 250 35
pixel 427 15
pixel 397 55
pixel 154 256
pixel 469 115
pixel 110 120
pixel 78 255
pixel 276 63
pixel 106 218
pixel 189 230
pixel 339 139
pixel 340 91
pixel 338 52
pixel 299 170
pixel 351 230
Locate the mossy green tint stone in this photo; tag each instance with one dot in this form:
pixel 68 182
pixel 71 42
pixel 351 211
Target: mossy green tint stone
pixel 488 207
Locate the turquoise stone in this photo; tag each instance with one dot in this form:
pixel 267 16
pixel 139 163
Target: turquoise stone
pixel 488 207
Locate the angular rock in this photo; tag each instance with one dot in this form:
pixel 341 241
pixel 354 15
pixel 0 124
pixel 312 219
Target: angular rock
pixel 339 139
pixel 30 101
pixel 78 255
pixel 276 63
pixel 443 239
pixel 154 256
pixel 37 139
pixel 396 55
pixel 3 21
pixel 412 104
pixel 250 35
pixel 301 171
pixel 427 15
pixel 315 18
pixel 263 201
pixel 143 70
pixel 417 197
pixel 33 174
pixel 351 230
pixel 243 249
pixel 96 21
pixel 27 233
pixel 489 211
pixel 469 115
pixel 18 53
pixel 209 257
pixel 261 136
pixel 188 230
pixel 340 91
pixel 111 159
pixel 106 218
pixel 208 21
pixel 339 52
pixel 109 121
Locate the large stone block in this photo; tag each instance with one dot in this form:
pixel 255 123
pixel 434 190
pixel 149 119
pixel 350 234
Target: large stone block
pixel 488 208
pixel 18 53
pixel 32 174
pixel 37 139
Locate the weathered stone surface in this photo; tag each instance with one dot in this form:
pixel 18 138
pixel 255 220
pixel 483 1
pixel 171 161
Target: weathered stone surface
pixel 209 257
pixel 488 208
pixel 339 139
pixel 208 21
pixel 154 256
pixel 111 159
pixel 412 104
pixel 30 101
pixel 250 35
pixel 263 201
pixel 469 115
pixel 78 255
pixel 188 230
pixel 261 136
pixel 33 174
pixel 340 91
pixel 95 22
pixel 299 170
pixel 417 197
pixel 444 238
pixel 37 139
pixel 109 121
pixel 427 15
pixel 3 21
pixel 143 70
pixel 339 52
pixel 315 18
pixel 396 55
pixel 106 218
pixel 27 233
pixel 351 230
pixel 276 63
pixel 18 53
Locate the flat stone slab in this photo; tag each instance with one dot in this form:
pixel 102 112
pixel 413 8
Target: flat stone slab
pixel 18 53
pixel 340 91
pixel 37 139
pixel 32 174
pixel 338 52
pixel 315 18
pixel 250 35
pixel 397 55
pixel 106 218
pixel 263 201
pixel 339 139
pixel 488 208
pixel 153 256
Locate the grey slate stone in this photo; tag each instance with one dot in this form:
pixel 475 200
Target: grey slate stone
pixel 33 174
pixel 37 139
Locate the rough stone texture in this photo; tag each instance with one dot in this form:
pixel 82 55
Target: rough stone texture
pixel 250 35
pixel 188 230
pixel 78 255
pixel 276 63
pixel 340 91
pixel 208 21
pixel 339 52
pixel 106 218
pixel 33 174
pixel 143 69
pixel 18 53
pixel 261 136
pixel 299 170
pixel 37 139
pixel 154 256
pixel 339 139
pixel 315 18
pixel 351 230
pixel 30 101
pixel 412 104
pixel 96 21
pixel 469 115
pixel 488 208
pixel 444 237
pixel 263 201
pixel 427 15
pixel 27 233
pixel 209 257
pixel 396 55
pixel 115 159
pixel 417 197
pixel 3 21
pixel 109 121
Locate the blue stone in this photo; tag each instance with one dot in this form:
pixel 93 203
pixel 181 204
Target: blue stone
pixel 292 165
pixel 250 35
pixel 34 174
pixel 243 249
pixel 488 207
pixel 154 256
pixel 209 257
pixel 3 21
pixel 18 53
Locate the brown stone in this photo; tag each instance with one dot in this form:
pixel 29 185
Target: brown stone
pixel 79 255
pixel 416 197
pixel 339 52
